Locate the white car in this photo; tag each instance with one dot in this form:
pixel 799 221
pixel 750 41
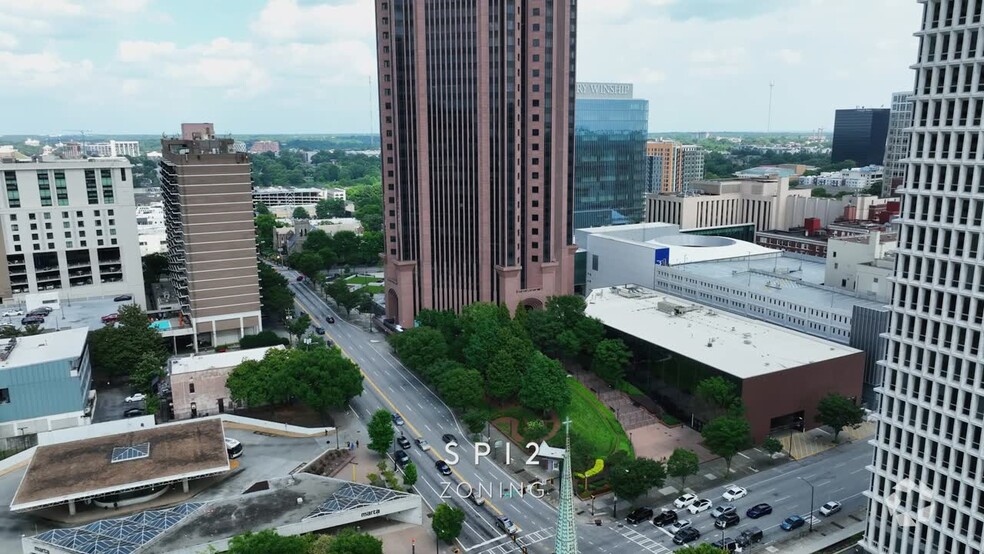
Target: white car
pixel 13 313
pixel 700 506
pixel 680 524
pixel 685 500
pixel 136 397
pixel 734 492
pixel 830 508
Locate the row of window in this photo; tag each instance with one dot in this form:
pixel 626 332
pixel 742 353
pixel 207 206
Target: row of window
pixel 45 178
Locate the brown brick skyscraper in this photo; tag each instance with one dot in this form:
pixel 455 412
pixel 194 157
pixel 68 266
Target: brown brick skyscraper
pixel 476 103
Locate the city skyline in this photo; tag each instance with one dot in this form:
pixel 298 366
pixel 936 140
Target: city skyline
pixel 295 66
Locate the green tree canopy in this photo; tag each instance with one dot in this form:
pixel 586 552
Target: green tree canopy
pixel 154 267
pixel 682 463
pixel 299 325
pixel 268 542
pixel 461 388
pixel 301 213
pixel 631 479
pixel 381 431
pixel 347 541
pixel 149 367
pixel 702 548
pixel 772 445
pixel 276 299
pixel 837 412
pixel 330 207
pixel 410 475
pixel 504 374
pixel 117 349
pixel 726 436
pixel 447 522
pixel 544 386
pixel 717 391
pixel 611 357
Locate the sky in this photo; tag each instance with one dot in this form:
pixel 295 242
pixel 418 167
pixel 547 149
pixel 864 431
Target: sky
pixel 306 66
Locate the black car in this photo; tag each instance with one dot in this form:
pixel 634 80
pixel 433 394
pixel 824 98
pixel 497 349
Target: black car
pixel 403 442
pixel 133 412
pixel 727 520
pixel 685 535
pixel 42 311
pixel 639 514
pixel 666 517
pixel 123 298
pixel 319 330
pixel 749 536
pixel 402 458
pixel 726 543
pixel 449 438
pixel 330 319
pixel 442 466
pixel 759 510
pixel 32 320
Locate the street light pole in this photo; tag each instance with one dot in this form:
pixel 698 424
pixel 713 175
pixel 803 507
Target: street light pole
pixel 811 501
pixel 615 506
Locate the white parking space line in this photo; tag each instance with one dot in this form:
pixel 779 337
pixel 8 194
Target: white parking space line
pixel 743 455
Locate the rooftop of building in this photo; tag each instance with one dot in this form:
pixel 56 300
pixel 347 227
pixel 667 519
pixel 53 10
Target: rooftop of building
pixel 86 468
pixel 683 248
pixel 785 276
pixel 736 345
pixel 48 162
pixel 883 238
pixel 201 362
pixel 763 170
pixel 287 190
pixel 799 233
pixel 43 348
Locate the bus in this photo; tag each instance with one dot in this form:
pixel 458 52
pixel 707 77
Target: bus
pixel 234 448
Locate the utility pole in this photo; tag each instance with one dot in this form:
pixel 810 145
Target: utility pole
pixel 768 127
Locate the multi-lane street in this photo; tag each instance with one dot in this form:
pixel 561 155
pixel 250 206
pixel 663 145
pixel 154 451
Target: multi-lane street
pixel 835 475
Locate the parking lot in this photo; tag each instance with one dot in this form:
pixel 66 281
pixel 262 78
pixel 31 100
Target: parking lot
pixel 71 314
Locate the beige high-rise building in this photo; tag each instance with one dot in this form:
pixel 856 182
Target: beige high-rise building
pixel 671 166
pixel 208 213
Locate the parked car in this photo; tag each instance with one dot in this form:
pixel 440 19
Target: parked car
pixel 639 515
pixel 506 524
pixel 401 457
pixel 13 313
pixel 701 505
pixel 729 519
pixel 397 419
pixel 759 510
pixel 734 492
pixel 319 330
pixel 726 543
pixel 664 518
pixel 792 522
pixel 422 444
pixel 138 397
pixel 133 412
pixel 721 510
pixel 830 508
pixel 330 319
pixel 443 467
pixel 749 536
pixel 685 500
pixel 111 318
pixel 679 526
pixel 403 442
pixel 32 320
pixel 685 535
pixel 448 438
pixel 43 311
pixel 123 298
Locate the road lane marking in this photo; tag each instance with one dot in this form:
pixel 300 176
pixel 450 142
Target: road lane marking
pixel 742 454
pixel 859 470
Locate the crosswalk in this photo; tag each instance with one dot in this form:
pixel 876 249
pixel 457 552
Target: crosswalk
pixel 644 542
pixel 525 540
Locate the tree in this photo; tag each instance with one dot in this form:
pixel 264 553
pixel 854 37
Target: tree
pixel 267 542
pixel 447 522
pixel 348 541
pixel 702 548
pixel 725 436
pixel 276 299
pixel 717 391
pixel 682 463
pixel 301 213
pixel 116 349
pixel 631 479
pixel 364 302
pixel 324 378
pixel 265 224
pixel 330 207
pixel 504 374
pixel 535 430
pixel 148 368
pixel 837 412
pixel 772 445
pixel 308 263
pixel 299 325
pixel 544 386
pixel 381 432
pixel 475 420
pixel 261 339
pixel 461 387
pixel 9 331
pixel 611 357
pixel 262 209
pixel 409 475
pixel 32 329
pixel 154 265
pixel 419 347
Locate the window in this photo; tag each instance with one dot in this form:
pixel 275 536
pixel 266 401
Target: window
pixel 594 262
pixel 90 188
pixel 44 187
pixel 5 393
pixel 13 195
pixel 191 387
pixel 122 174
pixel 61 190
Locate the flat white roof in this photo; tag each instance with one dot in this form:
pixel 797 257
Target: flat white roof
pixel 287 190
pixel 684 248
pixel 201 362
pixel 739 346
pixel 46 347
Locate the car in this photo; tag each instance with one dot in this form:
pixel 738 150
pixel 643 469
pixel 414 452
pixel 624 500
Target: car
pixel 734 492
pixel 443 467
pixel 700 506
pixel 727 520
pixel 138 397
pixel 506 524
pixel 792 522
pixel 685 535
pixel 397 419
pixel 422 444
pixel 401 457
pixel 319 330
pixel 330 319
pixel 749 536
pixel 639 515
pixel 403 442
pixel 111 318
pixel 42 311
pixel 759 510
pixel 830 508
pixel 123 298
pixel 448 438
pixel 13 313
pixel 300 278
pixel 476 498
pixel 32 320
pixel 685 500
pixel 727 543
pixel 666 517
pixel 679 526
pixel 721 510
pixel 133 412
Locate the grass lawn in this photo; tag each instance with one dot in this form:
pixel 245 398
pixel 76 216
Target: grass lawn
pixel 363 280
pixel 629 388
pixel 593 421
pixel 373 289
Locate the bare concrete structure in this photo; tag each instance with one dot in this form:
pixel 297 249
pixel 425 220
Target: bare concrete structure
pixel 208 209
pixel 476 117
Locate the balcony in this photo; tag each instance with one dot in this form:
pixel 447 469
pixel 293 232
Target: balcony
pixel 17 270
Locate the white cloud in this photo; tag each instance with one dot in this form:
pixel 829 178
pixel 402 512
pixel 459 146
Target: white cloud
pixel 131 87
pixel 225 48
pixel 218 73
pixel 43 69
pixel 647 75
pixel 286 20
pixel 789 56
pixel 7 41
pixel 714 62
pixel 143 51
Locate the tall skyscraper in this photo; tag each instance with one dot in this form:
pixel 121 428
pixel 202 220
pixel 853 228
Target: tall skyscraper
pixel 860 135
pixel 897 144
pixel 477 126
pixel 208 215
pixel 671 166
pixel 926 492
pixel 610 150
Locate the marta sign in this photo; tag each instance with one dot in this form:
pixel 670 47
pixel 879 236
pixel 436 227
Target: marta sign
pixel 604 90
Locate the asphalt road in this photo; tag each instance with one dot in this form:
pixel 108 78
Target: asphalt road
pixel 838 474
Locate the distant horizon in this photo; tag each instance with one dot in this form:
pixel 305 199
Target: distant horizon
pixel 147 136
